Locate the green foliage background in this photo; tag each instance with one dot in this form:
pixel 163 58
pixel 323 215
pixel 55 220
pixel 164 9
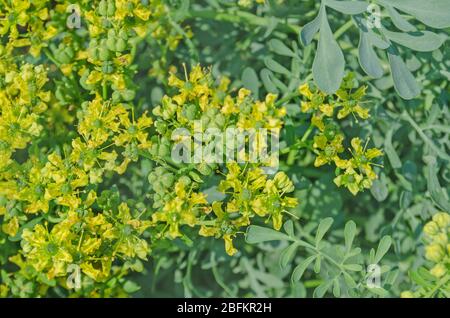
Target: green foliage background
pixel 273 47
pixel 260 47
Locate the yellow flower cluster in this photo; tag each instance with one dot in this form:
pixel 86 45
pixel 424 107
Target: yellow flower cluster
pixel 83 240
pixel 34 16
pixel 197 99
pixel 355 173
pixel 437 251
pixel 249 191
pixel 22 102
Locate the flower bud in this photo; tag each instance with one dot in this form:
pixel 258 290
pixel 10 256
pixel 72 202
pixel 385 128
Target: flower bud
pixel 431 229
pixel 440 238
pixel 438 271
pixel 442 219
pixel 168 180
pixel 434 252
pixel 407 294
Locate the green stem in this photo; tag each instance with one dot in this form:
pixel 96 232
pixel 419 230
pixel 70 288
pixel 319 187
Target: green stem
pixel 343 29
pixel 441 283
pixel 104 90
pixel 319 252
pixel 307 133
pixel 300 143
pixel 189 43
pixel 51 57
pixel 242 17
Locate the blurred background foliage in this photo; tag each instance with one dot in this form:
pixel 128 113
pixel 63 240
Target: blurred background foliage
pixel 263 45
pixel 258 46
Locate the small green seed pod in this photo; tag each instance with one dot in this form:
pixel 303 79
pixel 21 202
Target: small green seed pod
pixel 185 180
pixel 128 95
pixel 167 180
pixel 204 169
pixel 107 67
pixel 103 8
pixel 164 150
pixel 104 54
pixel 111 43
pixel 111 8
pixel 121 45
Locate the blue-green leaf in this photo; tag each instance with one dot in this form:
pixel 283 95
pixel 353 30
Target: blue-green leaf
pixel 287 255
pixel 301 267
pixel 276 67
pixel 280 48
pixel 404 82
pixel 349 234
pixel 250 80
pixel 383 247
pixel 347 7
pixel 423 41
pixel 399 21
pixel 394 159
pixel 310 29
pixel 434 13
pixel 266 77
pixel 323 227
pixel 258 234
pixel 329 62
pixel 320 291
pixel 368 58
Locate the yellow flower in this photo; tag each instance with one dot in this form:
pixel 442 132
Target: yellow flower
pixel 229 248
pixel 434 252
pixel 12 227
pixel 438 270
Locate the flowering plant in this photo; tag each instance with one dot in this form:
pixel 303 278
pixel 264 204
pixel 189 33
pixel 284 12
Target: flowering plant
pixel 138 143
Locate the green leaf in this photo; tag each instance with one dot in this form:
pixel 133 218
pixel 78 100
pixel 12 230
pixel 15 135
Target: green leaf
pixel 131 287
pixel 399 21
pixel 320 291
pixel 423 41
pixel 301 267
pixel 250 80
pixel 437 193
pixel 404 82
pixel 379 189
pixel 349 281
pixel 353 267
pixel 368 59
pixel 336 288
pixel 287 255
pixel 434 13
pixel 289 228
pixel 418 279
pixel 318 264
pixel 329 62
pixel 347 7
pixel 258 234
pixel 383 247
pixel 266 77
pixel 394 159
pixel 377 41
pixel 323 227
pixel 310 29
pixel 349 234
pixel 280 48
pixel 276 67
pixel 379 291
